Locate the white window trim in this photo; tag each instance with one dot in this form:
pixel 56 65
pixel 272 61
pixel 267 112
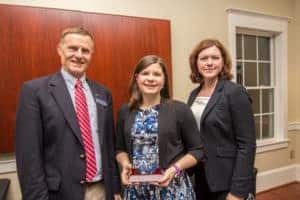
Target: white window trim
pixel 238 18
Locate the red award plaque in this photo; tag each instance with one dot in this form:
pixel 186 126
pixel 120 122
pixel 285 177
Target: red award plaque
pixel 136 177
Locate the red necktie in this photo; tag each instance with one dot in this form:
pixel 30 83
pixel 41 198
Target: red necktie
pixel 85 129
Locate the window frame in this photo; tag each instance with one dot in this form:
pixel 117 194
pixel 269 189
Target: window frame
pixel 276 26
pixel 257 61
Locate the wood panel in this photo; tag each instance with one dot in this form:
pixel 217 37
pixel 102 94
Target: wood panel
pixel 28 39
pixel 286 192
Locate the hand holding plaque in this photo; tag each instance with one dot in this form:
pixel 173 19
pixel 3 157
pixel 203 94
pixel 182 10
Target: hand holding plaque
pixel 137 177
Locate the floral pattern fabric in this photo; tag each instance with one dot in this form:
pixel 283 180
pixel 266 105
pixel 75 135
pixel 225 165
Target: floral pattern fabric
pixel 144 134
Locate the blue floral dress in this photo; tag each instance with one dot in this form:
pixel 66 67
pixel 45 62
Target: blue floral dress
pixel 145 160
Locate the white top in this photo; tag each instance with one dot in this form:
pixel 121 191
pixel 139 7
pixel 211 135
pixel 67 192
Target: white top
pixel 198 107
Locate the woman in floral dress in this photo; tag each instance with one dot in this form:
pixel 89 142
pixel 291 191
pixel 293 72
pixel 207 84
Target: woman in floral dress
pixel 155 134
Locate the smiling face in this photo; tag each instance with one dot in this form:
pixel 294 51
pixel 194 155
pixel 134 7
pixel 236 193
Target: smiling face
pixel 210 63
pixel 150 80
pixel 75 51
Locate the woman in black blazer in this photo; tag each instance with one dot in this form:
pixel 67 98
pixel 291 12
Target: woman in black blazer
pixel 156 134
pixel 224 116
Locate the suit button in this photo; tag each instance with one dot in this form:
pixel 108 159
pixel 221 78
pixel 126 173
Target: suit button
pixel 82 182
pixel 82 156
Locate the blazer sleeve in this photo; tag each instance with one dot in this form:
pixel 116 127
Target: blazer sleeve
pixel 29 142
pixel 190 133
pixel 244 129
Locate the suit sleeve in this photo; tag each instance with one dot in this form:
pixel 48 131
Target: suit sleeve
pixel 244 129
pixel 29 146
pixel 120 140
pixel 115 172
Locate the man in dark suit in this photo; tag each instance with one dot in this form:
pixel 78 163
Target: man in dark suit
pixel 64 130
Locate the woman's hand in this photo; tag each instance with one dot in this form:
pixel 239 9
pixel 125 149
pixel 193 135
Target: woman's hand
pixel 230 196
pixel 168 177
pixel 126 172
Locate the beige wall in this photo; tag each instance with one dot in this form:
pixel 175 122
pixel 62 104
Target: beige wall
pixel 191 21
pixel 297 148
pixel 294 62
pixel 296 54
pixel 278 158
pixel 294 86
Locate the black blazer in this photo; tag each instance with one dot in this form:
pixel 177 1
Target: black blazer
pixel 177 132
pixel 49 148
pixel 228 131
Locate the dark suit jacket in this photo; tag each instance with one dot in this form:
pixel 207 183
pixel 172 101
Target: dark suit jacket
pixel 49 148
pixel 228 131
pixel 177 132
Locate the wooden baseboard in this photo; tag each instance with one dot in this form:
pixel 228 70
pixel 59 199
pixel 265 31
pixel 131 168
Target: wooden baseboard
pixel 278 177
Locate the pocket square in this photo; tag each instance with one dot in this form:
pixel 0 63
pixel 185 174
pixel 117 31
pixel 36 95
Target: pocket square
pixel 101 102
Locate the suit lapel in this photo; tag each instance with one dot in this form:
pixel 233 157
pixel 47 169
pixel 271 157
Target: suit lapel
pixel 162 116
pixel 61 95
pixel 213 100
pixel 193 96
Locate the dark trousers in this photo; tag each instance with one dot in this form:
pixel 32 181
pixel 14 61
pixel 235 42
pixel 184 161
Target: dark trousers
pixel 202 189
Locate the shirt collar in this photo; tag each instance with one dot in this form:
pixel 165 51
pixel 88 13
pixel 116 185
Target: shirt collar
pixel 71 80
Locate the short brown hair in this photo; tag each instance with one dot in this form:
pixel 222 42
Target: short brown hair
pixel 75 30
pixel 136 97
pixel 225 74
